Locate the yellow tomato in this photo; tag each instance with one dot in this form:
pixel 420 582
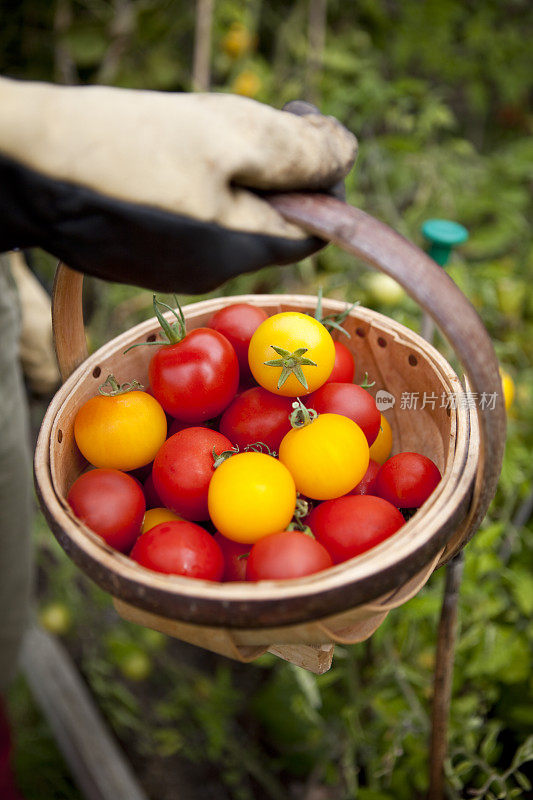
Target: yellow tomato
pixel 508 389
pixel 120 431
pixel 250 496
pixel 156 515
pixel 238 41
pixel 247 83
pixel 291 354
pixel 327 457
pixel 381 449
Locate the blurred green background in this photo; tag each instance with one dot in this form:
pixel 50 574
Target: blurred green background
pixel 439 95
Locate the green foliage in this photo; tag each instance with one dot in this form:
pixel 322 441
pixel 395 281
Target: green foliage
pixel 437 93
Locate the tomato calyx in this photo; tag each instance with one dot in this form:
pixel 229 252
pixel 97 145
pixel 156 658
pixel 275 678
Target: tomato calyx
pixel 301 511
pixel 111 387
pixel 260 447
pixel 219 458
pixel 173 332
pixel 256 447
pixel 305 529
pixel 334 321
pixel 301 416
pixel 291 364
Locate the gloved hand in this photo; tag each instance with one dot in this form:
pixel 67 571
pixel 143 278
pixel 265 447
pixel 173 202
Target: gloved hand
pixel 157 189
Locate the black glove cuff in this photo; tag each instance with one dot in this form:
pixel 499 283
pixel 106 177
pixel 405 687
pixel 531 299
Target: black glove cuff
pixel 129 243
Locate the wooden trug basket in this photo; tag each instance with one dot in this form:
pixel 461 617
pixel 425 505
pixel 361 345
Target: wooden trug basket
pixel 300 620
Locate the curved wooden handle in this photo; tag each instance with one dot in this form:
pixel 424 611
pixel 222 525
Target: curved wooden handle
pixel 67 320
pixel 365 237
pixel 374 242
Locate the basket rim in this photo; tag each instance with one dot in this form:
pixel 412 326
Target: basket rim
pixel 362 579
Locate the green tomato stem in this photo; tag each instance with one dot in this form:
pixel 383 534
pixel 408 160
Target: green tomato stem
pixel 219 458
pixel 295 526
pixel 301 510
pixel 260 447
pixel 174 332
pixel 365 383
pixel 111 388
pixel 333 320
pixel 301 416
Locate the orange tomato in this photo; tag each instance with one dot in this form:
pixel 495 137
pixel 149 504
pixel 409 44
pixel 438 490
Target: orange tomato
pixel 120 431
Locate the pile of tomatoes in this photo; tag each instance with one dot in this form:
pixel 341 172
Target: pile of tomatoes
pixel 252 455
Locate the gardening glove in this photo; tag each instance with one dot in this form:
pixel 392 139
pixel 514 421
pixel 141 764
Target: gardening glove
pixel 157 189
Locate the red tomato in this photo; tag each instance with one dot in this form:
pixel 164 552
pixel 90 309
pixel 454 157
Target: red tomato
pixel 344 366
pixel 237 322
pixel 257 415
pixel 111 503
pixel 351 401
pixel 353 524
pixel 366 485
pixel 183 469
pixel 288 554
pixel 234 561
pixel 180 548
pixel 196 378
pixel 407 479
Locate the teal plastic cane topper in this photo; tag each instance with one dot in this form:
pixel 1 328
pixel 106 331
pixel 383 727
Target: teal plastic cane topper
pixel 443 235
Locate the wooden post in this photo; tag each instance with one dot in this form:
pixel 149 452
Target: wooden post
pixel 121 30
pixel 94 757
pixel 316 42
pixel 442 688
pixel 64 66
pixel 201 71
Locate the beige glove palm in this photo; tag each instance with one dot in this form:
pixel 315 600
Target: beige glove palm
pixel 156 188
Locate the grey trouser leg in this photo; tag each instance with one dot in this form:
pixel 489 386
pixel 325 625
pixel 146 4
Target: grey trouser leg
pixel 16 499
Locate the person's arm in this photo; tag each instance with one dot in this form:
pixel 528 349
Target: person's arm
pixel 158 189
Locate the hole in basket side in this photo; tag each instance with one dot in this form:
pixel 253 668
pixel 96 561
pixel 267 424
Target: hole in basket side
pixel 60 436
pixel 382 342
pixel 413 360
pixel 97 371
pixel 151 337
pixel 360 332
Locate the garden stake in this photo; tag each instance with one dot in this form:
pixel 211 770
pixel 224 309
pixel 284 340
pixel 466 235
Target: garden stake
pixel 443 235
pixel 444 662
